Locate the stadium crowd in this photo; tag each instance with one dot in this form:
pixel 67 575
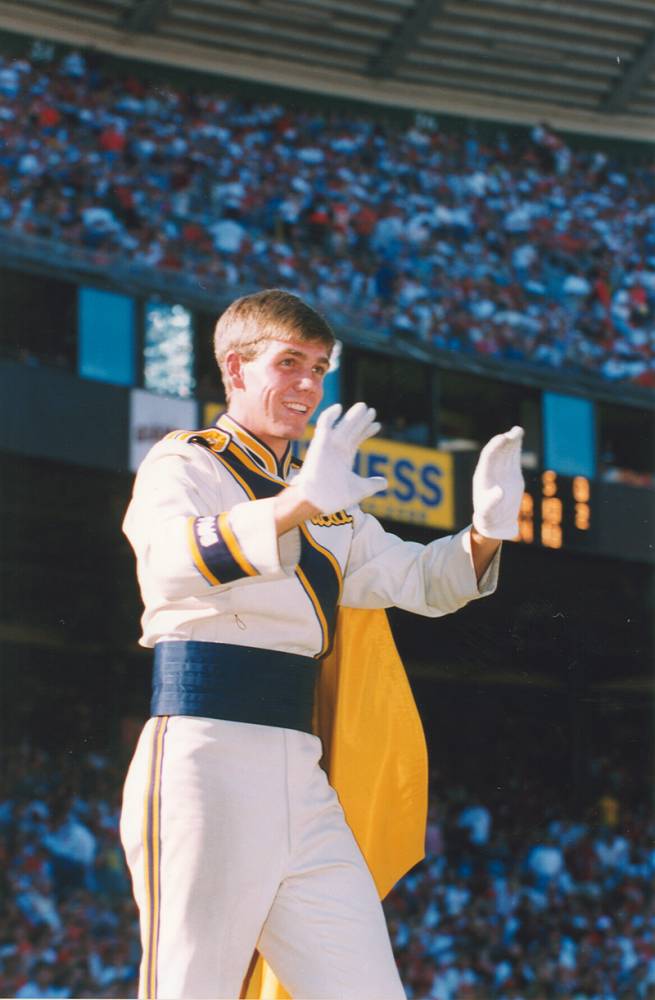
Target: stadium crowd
pixel 516 247
pixel 68 925
pixel 516 899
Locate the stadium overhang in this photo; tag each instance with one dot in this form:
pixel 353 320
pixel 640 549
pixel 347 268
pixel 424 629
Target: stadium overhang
pixel 395 48
pixel 633 78
pixel 143 15
pixel 581 67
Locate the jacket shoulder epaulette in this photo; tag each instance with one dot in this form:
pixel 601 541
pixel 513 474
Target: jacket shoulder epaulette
pixel 212 438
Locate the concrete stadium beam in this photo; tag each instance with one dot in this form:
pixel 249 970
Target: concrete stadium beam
pixel 394 49
pixel 636 73
pixel 221 62
pixel 144 15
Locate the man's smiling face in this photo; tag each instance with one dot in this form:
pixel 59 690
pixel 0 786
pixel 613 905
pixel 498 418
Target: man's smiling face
pixel 275 394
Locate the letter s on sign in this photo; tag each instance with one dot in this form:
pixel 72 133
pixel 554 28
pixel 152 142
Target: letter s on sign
pixel 404 471
pixel 430 476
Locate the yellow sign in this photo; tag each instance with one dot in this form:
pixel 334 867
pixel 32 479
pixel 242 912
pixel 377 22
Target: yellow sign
pixel 420 481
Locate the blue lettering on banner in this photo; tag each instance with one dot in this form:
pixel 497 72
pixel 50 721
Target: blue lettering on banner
pixel 402 477
pixel 404 470
pixel 420 482
pixel 430 474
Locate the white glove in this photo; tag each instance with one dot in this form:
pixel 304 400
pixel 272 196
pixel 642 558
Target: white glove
pixel 498 486
pixel 327 479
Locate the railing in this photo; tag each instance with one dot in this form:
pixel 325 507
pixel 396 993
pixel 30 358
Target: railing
pixel 100 268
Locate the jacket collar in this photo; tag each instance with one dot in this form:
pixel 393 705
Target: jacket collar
pixel 256 450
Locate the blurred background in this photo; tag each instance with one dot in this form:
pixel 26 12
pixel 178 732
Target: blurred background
pixel 466 189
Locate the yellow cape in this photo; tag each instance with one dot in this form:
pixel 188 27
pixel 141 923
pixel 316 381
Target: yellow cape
pixel 375 756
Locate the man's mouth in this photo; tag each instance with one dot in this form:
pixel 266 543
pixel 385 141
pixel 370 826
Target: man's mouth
pixel 296 407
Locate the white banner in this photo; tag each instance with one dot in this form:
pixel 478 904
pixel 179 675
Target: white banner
pixel 152 416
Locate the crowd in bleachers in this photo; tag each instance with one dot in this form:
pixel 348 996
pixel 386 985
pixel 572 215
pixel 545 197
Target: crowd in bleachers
pixel 517 899
pixel 68 926
pixel 515 247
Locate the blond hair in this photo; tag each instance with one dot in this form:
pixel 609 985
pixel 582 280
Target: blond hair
pixel 249 323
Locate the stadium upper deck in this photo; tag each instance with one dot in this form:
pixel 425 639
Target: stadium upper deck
pixel 519 248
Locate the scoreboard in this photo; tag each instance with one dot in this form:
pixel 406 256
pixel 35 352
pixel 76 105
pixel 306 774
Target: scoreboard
pixel 579 514
pixel 556 512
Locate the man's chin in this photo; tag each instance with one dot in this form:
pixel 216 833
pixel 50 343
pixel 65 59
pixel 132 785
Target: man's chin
pixel 298 435
pixel 294 430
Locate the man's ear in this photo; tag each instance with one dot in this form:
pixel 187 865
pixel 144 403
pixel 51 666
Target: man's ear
pixel 234 364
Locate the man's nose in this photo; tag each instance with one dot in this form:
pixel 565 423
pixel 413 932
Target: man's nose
pixel 305 381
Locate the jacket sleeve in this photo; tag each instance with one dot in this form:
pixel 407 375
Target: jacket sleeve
pixel 384 571
pixel 187 539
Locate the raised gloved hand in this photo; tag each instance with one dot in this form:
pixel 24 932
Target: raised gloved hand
pixel 498 486
pixel 326 479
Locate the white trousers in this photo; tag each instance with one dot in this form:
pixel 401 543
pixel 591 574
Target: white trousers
pixel 235 840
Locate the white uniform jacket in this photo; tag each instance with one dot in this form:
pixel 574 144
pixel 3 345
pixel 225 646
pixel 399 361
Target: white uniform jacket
pixel 211 567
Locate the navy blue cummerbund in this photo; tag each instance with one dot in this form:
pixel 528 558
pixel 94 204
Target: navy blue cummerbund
pixel 238 683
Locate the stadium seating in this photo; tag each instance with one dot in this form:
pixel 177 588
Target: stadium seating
pixel 521 248
pixel 496 910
